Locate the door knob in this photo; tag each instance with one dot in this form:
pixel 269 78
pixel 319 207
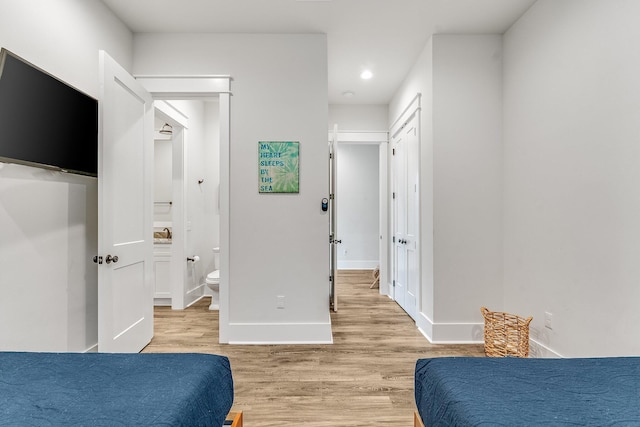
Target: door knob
pixel 110 259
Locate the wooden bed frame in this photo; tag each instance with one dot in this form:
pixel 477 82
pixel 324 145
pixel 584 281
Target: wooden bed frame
pixel 234 419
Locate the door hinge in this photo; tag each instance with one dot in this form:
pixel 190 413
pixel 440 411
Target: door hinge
pixel 331 196
pixel 331 278
pixel 394 283
pixel 331 155
pixel 393 151
pixel 97 259
pixel 330 238
pixel 393 195
pixel 394 239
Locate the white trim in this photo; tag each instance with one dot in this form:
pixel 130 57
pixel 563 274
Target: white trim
pixel 199 297
pixel 185 86
pixel 363 137
pixel 450 333
pixel 412 108
pixel 92 349
pixel 183 76
pixel 225 217
pixel 280 333
pixel 539 350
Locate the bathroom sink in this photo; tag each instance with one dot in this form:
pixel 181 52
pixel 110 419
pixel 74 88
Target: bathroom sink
pixel 162 236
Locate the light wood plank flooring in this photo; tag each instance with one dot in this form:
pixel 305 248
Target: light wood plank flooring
pixel 364 379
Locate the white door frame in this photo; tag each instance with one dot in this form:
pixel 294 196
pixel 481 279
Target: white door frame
pixel 381 139
pixel 164 87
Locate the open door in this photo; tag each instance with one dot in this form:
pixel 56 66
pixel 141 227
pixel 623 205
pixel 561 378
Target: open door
pixel 333 215
pixel 125 202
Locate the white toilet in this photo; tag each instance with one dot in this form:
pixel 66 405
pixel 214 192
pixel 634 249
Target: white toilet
pixel 213 282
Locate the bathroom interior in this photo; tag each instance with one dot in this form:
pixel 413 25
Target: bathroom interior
pixel 186 202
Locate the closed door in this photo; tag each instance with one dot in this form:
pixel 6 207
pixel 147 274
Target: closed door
pixel 125 191
pixel 406 271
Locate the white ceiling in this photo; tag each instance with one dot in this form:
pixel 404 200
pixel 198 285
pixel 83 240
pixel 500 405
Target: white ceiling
pixel 382 35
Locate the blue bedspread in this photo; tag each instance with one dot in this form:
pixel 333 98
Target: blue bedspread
pixel 99 389
pixel 528 392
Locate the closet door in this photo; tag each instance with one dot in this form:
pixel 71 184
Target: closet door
pixel 406 274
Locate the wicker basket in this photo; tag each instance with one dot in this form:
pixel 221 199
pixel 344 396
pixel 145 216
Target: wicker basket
pixel 505 334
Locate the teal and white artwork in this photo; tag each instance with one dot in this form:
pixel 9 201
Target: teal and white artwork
pixel 279 166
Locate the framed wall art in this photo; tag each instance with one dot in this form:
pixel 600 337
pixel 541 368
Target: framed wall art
pixel 279 166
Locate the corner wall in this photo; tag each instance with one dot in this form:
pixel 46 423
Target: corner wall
pixel 572 229
pixel 48 220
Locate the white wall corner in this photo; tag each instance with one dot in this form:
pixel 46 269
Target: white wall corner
pixel 280 333
pixel 541 351
pixel 450 333
pixel 425 326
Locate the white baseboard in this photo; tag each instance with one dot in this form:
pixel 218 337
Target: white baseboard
pixel 539 350
pixel 280 333
pixel 357 265
pixel 194 295
pixel 162 302
pixel 450 333
pixel 92 349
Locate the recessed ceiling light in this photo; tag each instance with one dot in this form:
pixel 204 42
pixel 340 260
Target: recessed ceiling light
pixel 348 94
pixel 366 75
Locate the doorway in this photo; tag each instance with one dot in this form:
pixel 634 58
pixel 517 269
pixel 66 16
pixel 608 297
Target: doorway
pixel 360 232
pixel 211 90
pixel 186 198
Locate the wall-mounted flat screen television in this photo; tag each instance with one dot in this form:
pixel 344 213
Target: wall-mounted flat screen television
pixel 44 122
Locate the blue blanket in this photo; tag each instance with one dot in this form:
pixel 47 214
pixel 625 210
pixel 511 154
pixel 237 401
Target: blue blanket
pixel 99 389
pixel 528 392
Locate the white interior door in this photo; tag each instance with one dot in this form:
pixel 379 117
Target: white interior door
pixel 406 274
pixel 333 215
pixel 125 202
pixel 411 236
pixel 399 220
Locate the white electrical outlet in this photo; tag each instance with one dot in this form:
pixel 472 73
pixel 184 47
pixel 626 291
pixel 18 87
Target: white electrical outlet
pixel 280 303
pixel 548 317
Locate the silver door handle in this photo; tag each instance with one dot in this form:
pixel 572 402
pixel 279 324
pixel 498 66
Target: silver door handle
pixel 110 259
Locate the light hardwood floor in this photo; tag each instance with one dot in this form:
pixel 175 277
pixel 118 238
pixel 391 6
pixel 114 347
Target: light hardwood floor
pixel 365 378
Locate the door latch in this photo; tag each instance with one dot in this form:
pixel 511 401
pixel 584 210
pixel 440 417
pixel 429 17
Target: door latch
pixel 111 259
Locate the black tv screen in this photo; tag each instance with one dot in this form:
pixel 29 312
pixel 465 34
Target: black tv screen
pixel 45 122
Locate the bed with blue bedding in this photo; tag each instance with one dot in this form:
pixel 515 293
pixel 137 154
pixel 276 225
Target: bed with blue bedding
pixel 100 389
pixel 528 392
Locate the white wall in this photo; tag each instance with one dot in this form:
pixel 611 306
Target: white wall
pixel 358 117
pixel 278 243
pixel 358 206
pixel 48 220
pixel 162 182
pixel 572 229
pixel 460 79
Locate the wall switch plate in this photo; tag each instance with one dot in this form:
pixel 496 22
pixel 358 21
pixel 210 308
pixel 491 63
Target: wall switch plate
pixel 548 317
pixel 280 303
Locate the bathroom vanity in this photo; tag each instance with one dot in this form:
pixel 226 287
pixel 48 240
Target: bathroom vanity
pixel 162 240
